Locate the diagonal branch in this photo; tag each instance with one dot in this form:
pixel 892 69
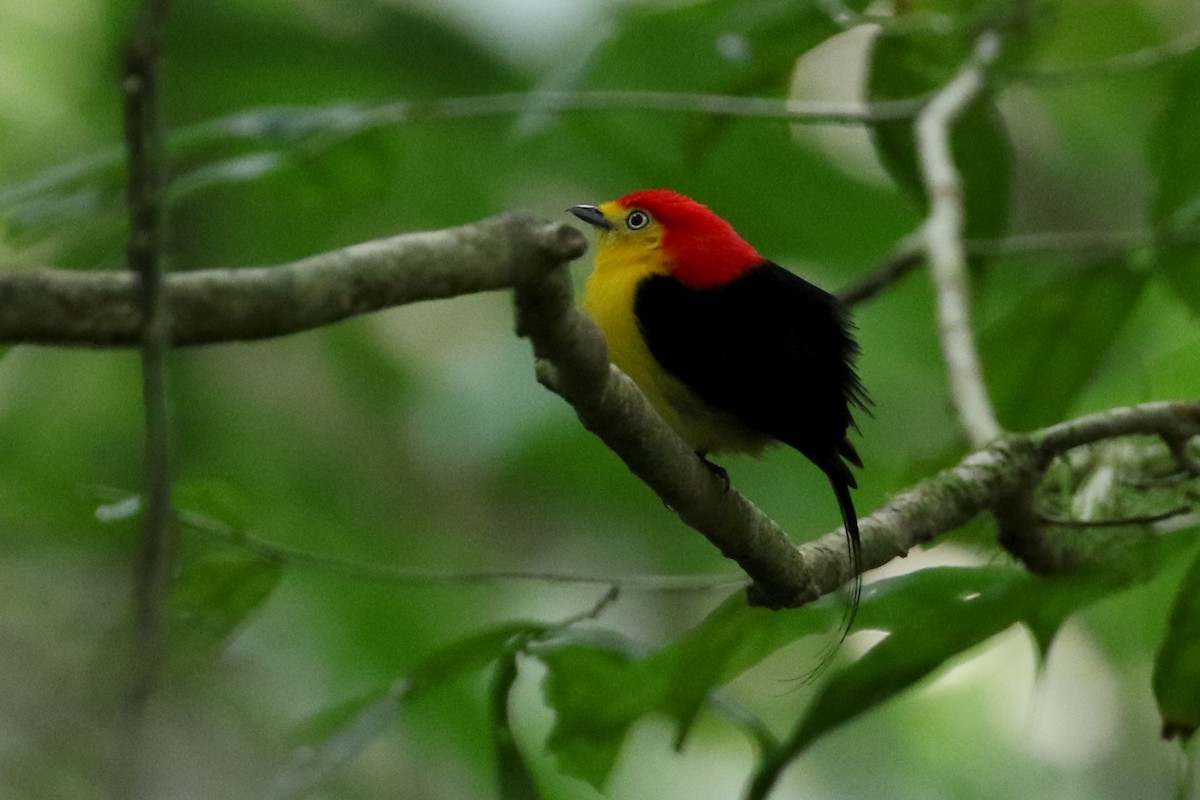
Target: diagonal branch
pixel 573 361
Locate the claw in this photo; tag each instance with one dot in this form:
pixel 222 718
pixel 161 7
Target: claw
pixel 715 469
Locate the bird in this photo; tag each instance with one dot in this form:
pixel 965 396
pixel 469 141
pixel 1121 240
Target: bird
pixel 735 352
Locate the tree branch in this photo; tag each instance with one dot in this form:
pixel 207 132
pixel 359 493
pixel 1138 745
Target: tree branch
pixel 715 105
pixel 944 241
pixel 910 253
pixel 520 251
pixel 573 361
pixel 101 309
pixel 986 480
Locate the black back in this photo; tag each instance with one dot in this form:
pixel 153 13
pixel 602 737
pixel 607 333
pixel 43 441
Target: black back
pixel 770 348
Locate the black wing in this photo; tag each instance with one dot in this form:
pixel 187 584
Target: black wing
pixel 770 348
pixel 777 353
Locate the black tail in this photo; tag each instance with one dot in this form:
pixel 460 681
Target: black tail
pixel 842 481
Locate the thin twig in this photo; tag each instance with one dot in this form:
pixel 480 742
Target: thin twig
pixel 907 257
pixel 1114 67
pixel 944 242
pixel 1142 519
pixel 155 563
pixel 910 253
pixel 326 125
pixel 810 111
pixel 1082 242
pixel 384 573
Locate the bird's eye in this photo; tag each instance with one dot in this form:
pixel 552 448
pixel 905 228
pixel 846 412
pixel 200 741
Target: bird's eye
pixel 637 220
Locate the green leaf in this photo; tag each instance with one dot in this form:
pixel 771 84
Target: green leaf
pixel 972 605
pixel 1174 153
pixel 599 688
pixel 215 499
pixel 732 639
pixel 715 47
pixel 1041 355
pixel 959 10
pixel 915 63
pixel 933 615
pixel 213 596
pixel 514 780
pixel 1176 678
pixel 596 691
pixel 333 738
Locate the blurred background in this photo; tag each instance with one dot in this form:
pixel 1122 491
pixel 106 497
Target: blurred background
pixel 418 438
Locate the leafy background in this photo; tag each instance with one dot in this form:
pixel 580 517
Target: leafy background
pixel 417 439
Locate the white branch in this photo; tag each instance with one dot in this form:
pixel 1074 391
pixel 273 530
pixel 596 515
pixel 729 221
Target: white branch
pixel 944 241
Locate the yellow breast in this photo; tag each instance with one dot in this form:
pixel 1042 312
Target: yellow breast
pixel 609 300
pixel 621 266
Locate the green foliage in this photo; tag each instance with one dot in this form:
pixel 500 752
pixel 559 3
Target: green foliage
pixel 333 738
pixel 1043 353
pixel 1177 665
pixel 211 598
pixel 514 781
pixel 1175 156
pixel 910 65
pixel 381 457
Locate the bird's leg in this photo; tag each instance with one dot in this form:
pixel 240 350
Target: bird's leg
pixel 715 469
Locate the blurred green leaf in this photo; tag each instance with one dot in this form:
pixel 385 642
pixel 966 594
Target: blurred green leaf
pixel 1040 356
pixel 1174 152
pixel 732 639
pixel 599 687
pixel 1176 677
pixel 515 781
pixel 299 134
pixel 937 614
pixel 910 64
pixel 213 596
pixel 215 499
pixel 719 46
pixel 597 690
pixel 373 377
pixel 333 738
pixel 714 47
pixel 962 11
pixel 929 616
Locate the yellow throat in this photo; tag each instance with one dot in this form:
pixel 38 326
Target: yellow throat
pixel 623 260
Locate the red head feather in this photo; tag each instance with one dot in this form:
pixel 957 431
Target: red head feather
pixel 704 249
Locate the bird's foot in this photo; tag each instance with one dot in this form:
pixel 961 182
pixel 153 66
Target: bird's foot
pixel 715 469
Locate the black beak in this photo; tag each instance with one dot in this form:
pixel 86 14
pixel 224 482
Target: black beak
pixel 592 216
